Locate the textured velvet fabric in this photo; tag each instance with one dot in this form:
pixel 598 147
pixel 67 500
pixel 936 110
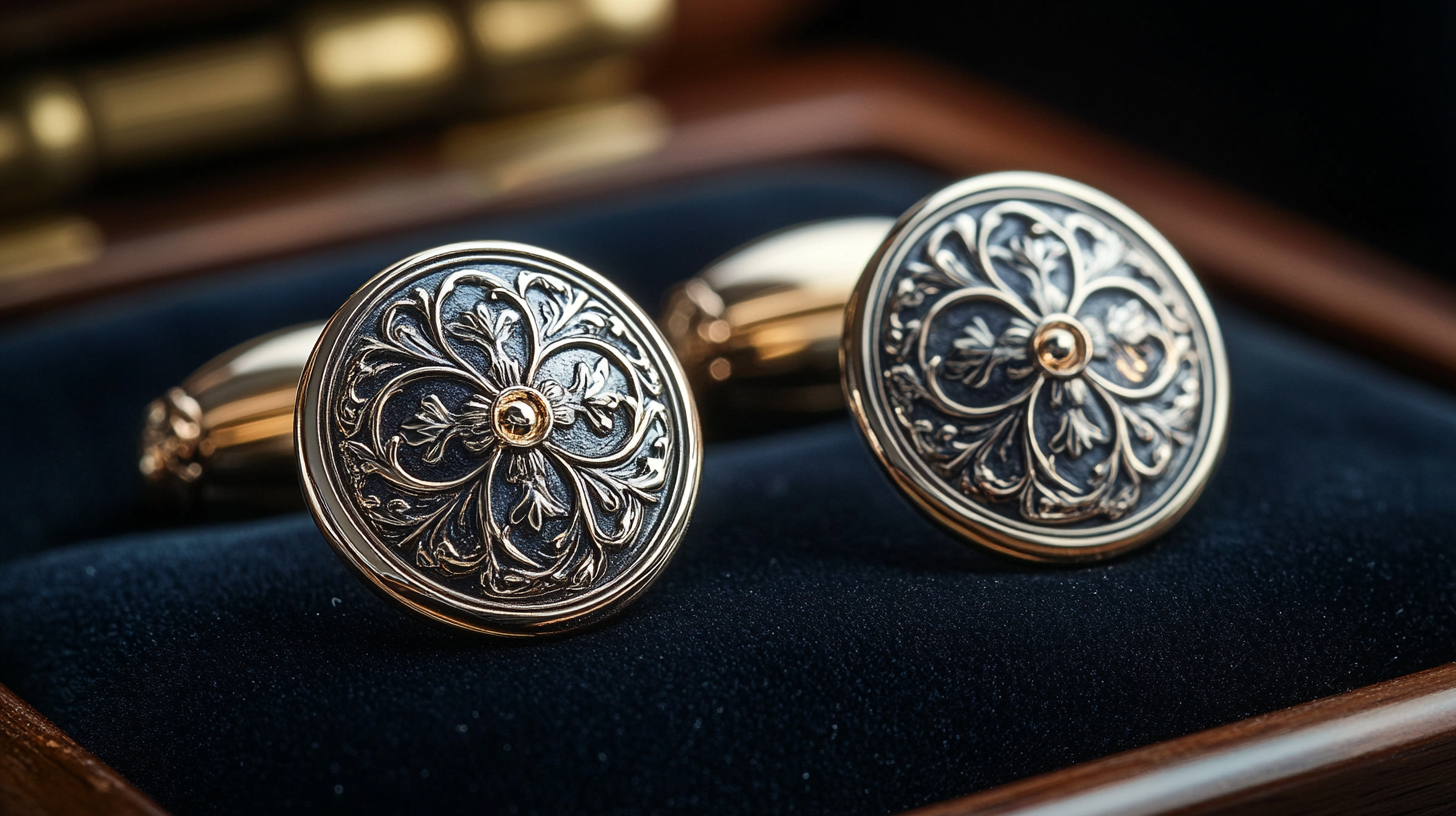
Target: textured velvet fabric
pixel 815 646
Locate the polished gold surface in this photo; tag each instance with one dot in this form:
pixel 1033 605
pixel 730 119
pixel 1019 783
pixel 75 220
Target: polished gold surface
pixel 1062 346
pixel 223 440
pixel 521 416
pixel 759 329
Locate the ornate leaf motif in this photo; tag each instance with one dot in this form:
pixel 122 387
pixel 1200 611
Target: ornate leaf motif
pixel 490 336
pixel 977 354
pixel 1107 249
pixel 435 425
pixel 1037 258
pixel 529 470
pixel 482 474
pixel 1084 393
pixel 1077 434
pixel 589 396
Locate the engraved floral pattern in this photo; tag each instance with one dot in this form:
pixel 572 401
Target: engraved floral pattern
pixel 1031 355
pixel 507 428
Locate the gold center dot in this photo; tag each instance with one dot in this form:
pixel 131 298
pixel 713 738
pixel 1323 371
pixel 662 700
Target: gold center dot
pixel 522 417
pixel 1061 346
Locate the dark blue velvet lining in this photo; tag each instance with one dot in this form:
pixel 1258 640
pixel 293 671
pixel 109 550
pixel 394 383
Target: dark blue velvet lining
pixel 815 646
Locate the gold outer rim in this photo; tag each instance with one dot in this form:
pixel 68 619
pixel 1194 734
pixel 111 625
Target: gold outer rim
pixel 384 571
pixel 868 406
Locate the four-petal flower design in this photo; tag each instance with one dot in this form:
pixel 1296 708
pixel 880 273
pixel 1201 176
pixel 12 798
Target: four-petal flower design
pixel 506 427
pixel 1031 354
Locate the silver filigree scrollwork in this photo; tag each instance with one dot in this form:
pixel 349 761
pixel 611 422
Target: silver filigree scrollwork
pixel 506 428
pixel 1037 360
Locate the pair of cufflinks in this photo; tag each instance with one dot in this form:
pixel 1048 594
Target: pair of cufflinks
pixel 496 437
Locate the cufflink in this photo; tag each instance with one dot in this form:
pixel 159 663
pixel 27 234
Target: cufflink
pixel 489 434
pixel 1036 368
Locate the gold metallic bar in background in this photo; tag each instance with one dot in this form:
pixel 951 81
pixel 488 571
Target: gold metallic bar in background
pixel 200 99
pixel 337 68
pixel 756 331
pixel 46 139
pixel 560 51
pixel 60 131
pixel 381 64
pixel 36 246
pixel 500 156
pixel 518 32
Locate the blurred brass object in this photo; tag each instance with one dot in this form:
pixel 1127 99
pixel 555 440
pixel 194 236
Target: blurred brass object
pixel 512 153
pixel 46 139
pixel 511 31
pixel 759 330
pixel 516 32
pixel 539 52
pixel 35 247
pixel 339 67
pixel 224 438
pixel 60 131
pixel 200 98
pixel 381 62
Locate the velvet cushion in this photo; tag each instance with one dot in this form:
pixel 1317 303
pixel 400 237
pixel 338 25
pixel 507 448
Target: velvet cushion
pixel 815 646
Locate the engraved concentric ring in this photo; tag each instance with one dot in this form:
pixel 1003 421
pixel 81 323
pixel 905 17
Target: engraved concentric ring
pixel 497 438
pixel 1037 368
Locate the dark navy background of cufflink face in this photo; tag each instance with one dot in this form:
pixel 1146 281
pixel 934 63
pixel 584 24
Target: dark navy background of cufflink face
pixel 815 646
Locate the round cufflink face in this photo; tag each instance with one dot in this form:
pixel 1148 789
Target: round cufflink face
pixel 498 438
pixel 1037 368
